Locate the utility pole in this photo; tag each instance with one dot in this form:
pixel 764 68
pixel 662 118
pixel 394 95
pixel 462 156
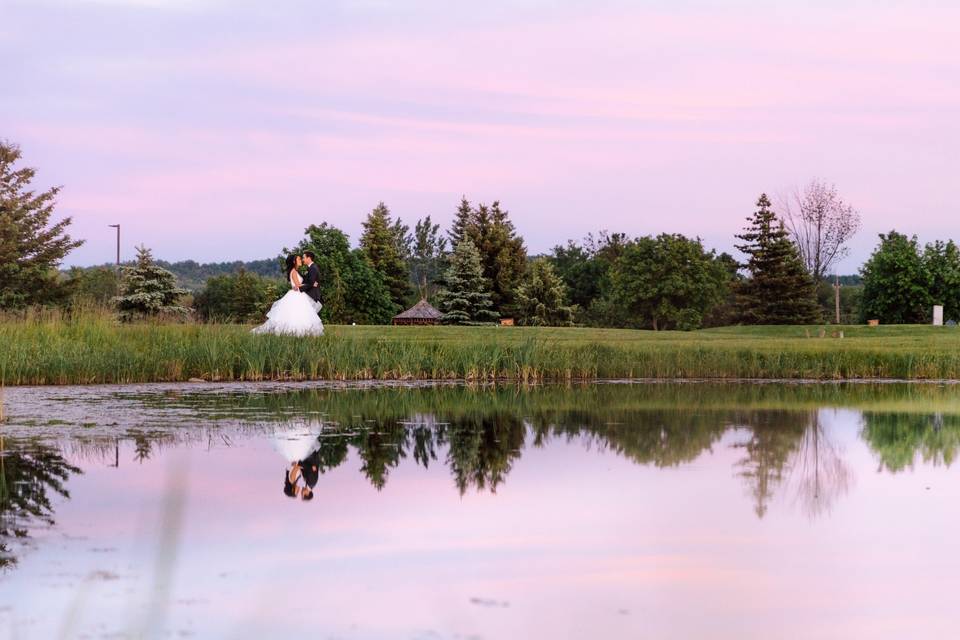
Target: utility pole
pixel 836 295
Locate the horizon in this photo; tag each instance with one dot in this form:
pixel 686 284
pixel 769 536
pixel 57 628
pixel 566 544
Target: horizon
pixel 215 132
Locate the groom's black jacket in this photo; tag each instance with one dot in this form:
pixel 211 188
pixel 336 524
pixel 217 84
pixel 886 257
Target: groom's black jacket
pixel 313 278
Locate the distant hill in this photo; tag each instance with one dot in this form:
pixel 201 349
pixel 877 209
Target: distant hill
pixel 193 275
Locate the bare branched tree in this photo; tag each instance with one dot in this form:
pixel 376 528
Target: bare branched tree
pixel 820 223
pixel 818 473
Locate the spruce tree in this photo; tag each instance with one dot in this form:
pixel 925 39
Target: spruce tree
pixel 148 290
pixel 462 221
pixel 382 243
pixel 508 262
pixel 31 248
pixel 466 298
pixel 542 298
pixel 778 290
pixel 502 252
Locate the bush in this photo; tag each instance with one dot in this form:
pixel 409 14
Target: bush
pixel 241 297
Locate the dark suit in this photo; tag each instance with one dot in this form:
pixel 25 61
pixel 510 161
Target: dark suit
pixel 309 283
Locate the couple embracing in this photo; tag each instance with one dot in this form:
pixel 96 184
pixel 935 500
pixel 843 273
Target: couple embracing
pixel 295 314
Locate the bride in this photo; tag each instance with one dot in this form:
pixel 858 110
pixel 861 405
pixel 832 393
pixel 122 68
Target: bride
pixel 295 314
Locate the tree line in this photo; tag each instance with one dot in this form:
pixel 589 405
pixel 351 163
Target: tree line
pixel 479 270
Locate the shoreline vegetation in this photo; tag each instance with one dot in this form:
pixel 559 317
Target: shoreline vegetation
pixel 49 349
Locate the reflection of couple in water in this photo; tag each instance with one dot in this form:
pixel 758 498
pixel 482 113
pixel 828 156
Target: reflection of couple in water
pixel 307 471
pixel 301 448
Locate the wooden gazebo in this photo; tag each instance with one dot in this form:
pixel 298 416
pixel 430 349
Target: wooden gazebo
pixel 421 313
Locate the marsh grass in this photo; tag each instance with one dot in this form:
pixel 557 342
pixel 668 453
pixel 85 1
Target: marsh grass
pixel 89 347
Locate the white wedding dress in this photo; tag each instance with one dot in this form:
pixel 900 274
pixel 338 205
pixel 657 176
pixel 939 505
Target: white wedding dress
pixel 295 314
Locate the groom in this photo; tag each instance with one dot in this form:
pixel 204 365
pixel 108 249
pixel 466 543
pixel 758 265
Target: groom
pixel 311 284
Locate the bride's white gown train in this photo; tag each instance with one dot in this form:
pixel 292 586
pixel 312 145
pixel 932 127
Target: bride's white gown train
pixel 295 314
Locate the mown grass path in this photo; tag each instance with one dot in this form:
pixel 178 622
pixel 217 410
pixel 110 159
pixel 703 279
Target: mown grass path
pixel 97 350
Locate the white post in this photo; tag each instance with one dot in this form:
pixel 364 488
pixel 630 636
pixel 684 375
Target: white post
pixel 938 315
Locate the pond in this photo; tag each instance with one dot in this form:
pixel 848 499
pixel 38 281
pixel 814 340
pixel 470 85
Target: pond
pixel 614 510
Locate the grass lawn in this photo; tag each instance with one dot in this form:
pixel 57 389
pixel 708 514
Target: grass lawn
pixel 98 350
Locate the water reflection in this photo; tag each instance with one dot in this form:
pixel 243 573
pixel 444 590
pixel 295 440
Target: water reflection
pixel 777 434
pixel 899 438
pixel 29 481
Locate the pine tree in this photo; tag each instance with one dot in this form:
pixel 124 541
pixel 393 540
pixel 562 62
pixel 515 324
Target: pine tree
pixel 466 298
pixel 541 299
pixel 148 290
pixel 381 243
pixel 778 290
pixel 502 252
pixel 462 221
pixel 30 248
pixel 509 260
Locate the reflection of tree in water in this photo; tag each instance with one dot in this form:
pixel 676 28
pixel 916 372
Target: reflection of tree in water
pixel 482 449
pixel 817 471
pixel 479 431
pixel 774 437
pixel 661 437
pixel 897 438
pixel 29 478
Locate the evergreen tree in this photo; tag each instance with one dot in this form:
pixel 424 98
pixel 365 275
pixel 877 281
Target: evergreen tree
pixel 778 290
pixel 896 284
pixel 507 261
pixel 429 250
pixel 541 299
pixel 31 248
pixel 461 222
pixel 351 290
pixel 382 242
pixel 503 256
pixel 148 290
pixel 466 297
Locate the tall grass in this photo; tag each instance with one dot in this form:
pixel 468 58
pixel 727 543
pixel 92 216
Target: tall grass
pixel 88 347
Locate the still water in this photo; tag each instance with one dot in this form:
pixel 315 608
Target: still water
pixel 693 510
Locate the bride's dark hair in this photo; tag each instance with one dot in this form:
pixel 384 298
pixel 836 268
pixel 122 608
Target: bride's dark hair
pixel 291 263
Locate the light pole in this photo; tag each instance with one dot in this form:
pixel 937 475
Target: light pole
pixel 117 227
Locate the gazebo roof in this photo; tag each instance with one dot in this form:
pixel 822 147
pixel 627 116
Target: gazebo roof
pixel 423 310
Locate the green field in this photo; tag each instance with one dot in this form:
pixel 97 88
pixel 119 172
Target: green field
pixel 96 349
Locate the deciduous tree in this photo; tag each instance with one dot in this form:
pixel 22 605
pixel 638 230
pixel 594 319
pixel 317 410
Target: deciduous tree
pixel 667 282
pixel 820 223
pixel 351 289
pixel 426 263
pixel 896 287
pixel 942 263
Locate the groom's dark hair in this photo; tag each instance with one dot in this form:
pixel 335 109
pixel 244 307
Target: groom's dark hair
pixel 310 255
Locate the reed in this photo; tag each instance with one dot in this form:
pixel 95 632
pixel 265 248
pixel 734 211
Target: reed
pixel 90 347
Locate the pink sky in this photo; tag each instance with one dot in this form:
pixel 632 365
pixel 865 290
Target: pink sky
pixel 218 130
